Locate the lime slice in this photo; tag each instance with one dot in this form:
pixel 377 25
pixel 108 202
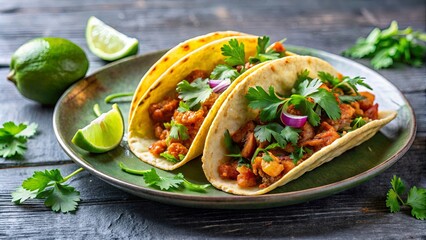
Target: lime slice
pixel 107 43
pixel 102 134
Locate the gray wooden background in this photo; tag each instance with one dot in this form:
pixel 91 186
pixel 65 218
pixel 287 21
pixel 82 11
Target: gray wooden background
pixel 107 212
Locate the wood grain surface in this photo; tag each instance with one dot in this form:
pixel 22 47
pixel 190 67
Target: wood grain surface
pixel 106 212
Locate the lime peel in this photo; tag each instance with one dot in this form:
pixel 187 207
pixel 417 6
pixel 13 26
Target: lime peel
pixel 102 134
pixel 107 43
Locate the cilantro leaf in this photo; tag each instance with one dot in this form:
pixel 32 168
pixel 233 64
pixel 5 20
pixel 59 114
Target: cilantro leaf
pixel 234 53
pixel 49 185
pixel 268 103
pixel 192 186
pixel 306 107
pixel 195 92
pixel 352 83
pixel 164 183
pixel 328 102
pixel 183 107
pixel 307 87
pixel 62 198
pixel 417 200
pixel 392 201
pixel 291 134
pixel 21 194
pixel 178 131
pixel 357 123
pixel 385 47
pixel 269 131
pixel 230 145
pixel 302 76
pixel 223 71
pixel 349 99
pixel 169 157
pixel 13 138
pixel 262 55
pixel 298 153
pixel 398 185
pixel 328 78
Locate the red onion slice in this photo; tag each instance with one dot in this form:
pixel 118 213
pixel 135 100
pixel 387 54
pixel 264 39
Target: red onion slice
pixel 292 120
pixel 219 86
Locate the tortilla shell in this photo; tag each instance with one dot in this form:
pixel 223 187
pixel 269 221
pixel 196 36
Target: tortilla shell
pixel 234 113
pixel 141 129
pixel 171 57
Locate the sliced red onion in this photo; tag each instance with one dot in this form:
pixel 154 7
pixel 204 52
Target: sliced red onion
pixel 219 86
pixel 293 120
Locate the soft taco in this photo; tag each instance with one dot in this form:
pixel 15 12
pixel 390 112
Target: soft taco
pixel 171 120
pixel 288 117
pixel 171 57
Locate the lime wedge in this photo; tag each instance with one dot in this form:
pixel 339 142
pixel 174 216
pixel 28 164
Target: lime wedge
pixel 102 134
pixel 107 43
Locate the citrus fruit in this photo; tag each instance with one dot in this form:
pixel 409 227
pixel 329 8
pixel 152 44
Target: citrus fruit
pixel 107 43
pixel 43 68
pixel 102 134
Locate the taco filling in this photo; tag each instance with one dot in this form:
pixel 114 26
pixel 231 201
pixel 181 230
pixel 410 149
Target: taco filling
pixel 289 129
pixel 178 118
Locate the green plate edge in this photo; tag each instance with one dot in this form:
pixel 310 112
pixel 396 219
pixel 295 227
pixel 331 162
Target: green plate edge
pixel 393 141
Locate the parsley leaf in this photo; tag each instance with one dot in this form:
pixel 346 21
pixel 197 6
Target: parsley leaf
pixel 194 93
pixel 234 53
pixel 388 46
pixel 268 103
pixel 49 185
pixel 178 131
pixel 152 178
pixel 416 198
pixel 269 131
pixel 223 71
pixel 13 138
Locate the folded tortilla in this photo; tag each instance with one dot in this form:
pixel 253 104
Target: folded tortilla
pixel 171 57
pixel 206 58
pixel 234 113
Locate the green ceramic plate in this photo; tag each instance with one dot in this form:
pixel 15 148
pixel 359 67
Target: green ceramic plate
pixel 74 111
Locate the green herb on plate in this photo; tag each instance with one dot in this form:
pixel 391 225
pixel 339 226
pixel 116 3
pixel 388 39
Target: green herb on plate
pixel 388 46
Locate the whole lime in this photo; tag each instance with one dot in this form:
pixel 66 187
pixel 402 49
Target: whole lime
pixel 44 68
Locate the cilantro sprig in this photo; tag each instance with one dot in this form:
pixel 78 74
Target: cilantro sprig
pixel 50 186
pixel 152 178
pixel 270 104
pixel 194 93
pixel 177 131
pixel 282 135
pixel 391 45
pixel 263 54
pixel 13 138
pixel 416 198
pixel 357 123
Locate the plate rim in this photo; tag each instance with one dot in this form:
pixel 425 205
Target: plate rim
pixel 223 201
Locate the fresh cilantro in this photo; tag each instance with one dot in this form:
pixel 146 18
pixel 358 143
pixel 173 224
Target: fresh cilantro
pixel 177 131
pixel 306 88
pixel 268 103
pixel 49 185
pixel 416 198
pixel 266 156
pixel 306 107
pixel 350 84
pixel 223 71
pixel 386 47
pixel 357 123
pixel 328 78
pixel 349 99
pixel 262 54
pixel 183 107
pixel 298 153
pixel 230 145
pixel 291 134
pixel 152 178
pixel 13 138
pixel 194 93
pixel 234 53
pixel 269 131
pixel 304 75
pixel 169 157
pixel 328 102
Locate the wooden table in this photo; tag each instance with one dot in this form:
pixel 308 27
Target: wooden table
pixel 106 212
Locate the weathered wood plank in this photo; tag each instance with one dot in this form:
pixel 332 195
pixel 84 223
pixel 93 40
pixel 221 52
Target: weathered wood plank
pixel 118 214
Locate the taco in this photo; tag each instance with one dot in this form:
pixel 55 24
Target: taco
pixel 171 120
pixel 288 117
pixel 169 58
